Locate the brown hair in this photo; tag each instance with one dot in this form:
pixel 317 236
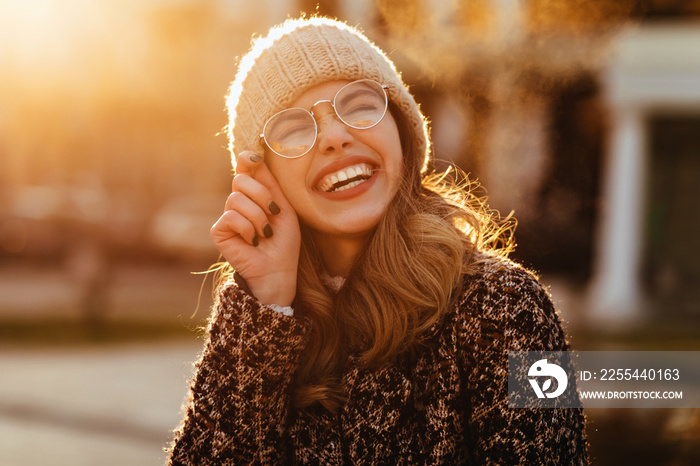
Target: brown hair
pixel 403 283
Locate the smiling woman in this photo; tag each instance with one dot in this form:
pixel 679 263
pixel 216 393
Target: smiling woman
pixel 369 308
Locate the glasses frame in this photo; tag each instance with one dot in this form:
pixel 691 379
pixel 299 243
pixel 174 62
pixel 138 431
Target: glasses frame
pixel 384 87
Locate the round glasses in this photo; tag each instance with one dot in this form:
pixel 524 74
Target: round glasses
pixel 292 133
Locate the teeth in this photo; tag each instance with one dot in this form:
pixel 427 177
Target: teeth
pixel 349 185
pixel 345 174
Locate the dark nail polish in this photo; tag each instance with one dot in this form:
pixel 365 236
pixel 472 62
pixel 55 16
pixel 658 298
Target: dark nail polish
pixel 256 241
pixel 255 158
pixel 274 209
pixel 267 229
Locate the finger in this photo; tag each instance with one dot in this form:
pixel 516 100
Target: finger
pixel 256 191
pixel 247 162
pixel 251 163
pixel 267 179
pixel 230 225
pixel 245 206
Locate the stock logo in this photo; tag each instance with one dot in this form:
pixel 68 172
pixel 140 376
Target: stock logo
pixel 544 369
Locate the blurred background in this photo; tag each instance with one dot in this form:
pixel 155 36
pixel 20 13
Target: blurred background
pixel 580 116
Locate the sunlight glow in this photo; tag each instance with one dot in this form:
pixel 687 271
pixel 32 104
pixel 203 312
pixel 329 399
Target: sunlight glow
pixel 42 41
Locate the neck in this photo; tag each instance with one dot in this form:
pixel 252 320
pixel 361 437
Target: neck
pixel 339 253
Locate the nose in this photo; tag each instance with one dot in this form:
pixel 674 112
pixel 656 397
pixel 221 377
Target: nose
pixel 333 134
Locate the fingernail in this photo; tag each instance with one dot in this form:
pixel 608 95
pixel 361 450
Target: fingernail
pixel 255 158
pixel 267 230
pixel 255 240
pixel 274 209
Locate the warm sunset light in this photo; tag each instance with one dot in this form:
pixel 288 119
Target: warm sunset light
pixel 46 40
pixel 114 106
pixel 61 61
pixel 577 121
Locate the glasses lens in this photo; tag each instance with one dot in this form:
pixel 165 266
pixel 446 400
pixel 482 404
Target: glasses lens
pixel 361 104
pixel 290 133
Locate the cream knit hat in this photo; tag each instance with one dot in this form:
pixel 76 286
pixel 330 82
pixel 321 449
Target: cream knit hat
pixel 302 53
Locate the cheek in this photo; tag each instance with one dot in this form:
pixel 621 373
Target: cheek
pixel 393 149
pixel 397 161
pixel 290 176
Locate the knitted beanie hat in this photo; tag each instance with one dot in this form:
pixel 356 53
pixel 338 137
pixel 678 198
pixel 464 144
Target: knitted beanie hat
pixel 302 53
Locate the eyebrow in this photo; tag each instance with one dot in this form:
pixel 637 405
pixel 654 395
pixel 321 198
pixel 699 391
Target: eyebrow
pixel 365 90
pixel 295 116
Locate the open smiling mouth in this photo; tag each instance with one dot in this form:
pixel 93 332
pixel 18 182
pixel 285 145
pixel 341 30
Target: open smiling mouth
pixel 347 178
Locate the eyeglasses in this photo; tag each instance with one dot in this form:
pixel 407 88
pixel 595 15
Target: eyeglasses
pixel 292 133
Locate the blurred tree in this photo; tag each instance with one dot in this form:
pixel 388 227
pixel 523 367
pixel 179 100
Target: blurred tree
pixel 401 18
pixel 321 7
pixel 669 9
pixel 576 15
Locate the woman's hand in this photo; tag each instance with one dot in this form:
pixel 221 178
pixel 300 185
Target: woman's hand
pixel 258 234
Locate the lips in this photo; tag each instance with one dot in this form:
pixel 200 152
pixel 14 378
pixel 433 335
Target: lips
pixel 344 173
pixel 346 178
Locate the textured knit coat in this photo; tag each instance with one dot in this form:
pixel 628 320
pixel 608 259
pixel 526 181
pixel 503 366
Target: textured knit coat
pixel 445 405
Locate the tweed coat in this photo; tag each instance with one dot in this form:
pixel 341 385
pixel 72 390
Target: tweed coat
pixel 447 404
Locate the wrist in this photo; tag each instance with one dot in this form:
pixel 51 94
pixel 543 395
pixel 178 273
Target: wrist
pixel 279 291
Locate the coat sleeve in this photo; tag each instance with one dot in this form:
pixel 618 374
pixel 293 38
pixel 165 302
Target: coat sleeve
pixel 239 398
pixel 508 310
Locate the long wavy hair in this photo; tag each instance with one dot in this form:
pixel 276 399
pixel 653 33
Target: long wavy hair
pixel 403 283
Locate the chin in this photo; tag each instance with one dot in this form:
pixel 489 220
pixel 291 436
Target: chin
pixel 359 226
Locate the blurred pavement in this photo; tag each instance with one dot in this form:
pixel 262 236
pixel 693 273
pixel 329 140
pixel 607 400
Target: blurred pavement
pixel 105 406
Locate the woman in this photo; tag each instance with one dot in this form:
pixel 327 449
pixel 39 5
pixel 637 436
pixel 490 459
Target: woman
pixel 370 314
